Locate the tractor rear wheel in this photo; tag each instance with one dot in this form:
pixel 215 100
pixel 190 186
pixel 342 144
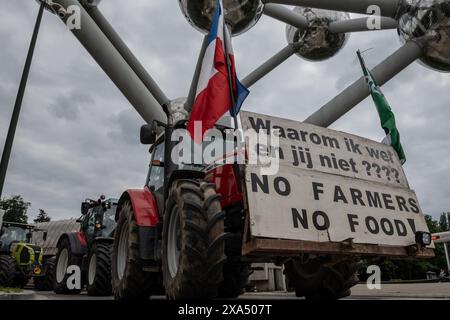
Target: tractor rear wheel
pixel 129 280
pixel 64 259
pixel 45 283
pixel 193 241
pixel 316 280
pixel 99 270
pixel 236 273
pixel 21 279
pixel 7 271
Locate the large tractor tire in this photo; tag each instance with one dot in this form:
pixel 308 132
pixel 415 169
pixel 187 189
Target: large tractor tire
pixel 21 279
pixel 99 270
pixel 193 241
pixel 316 280
pixel 45 283
pixel 236 277
pixel 129 280
pixel 7 271
pixel 235 272
pixel 64 259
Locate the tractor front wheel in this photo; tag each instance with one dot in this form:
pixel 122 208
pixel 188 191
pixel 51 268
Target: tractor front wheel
pixel 45 283
pixel 99 270
pixel 7 271
pixel 129 280
pixel 64 259
pixel 193 241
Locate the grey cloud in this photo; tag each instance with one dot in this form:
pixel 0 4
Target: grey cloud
pixel 126 129
pixel 68 107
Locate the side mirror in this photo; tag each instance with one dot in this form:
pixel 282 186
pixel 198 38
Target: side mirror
pixel 85 206
pixel 148 134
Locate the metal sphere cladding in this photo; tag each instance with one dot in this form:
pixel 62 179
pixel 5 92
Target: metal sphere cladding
pixel 241 15
pixel 429 17
pixel 317 42
pixel 177 109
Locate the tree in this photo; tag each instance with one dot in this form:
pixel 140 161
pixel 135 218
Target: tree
pixel 443 223
pixel 410 269
pixel 15 209
pixel 42 217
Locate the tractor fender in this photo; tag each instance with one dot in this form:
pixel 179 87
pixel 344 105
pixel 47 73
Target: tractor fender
pixel 145 208
pixel 145 211
pixel 77 240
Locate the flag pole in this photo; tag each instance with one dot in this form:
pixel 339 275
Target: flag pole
pixel 230 78
pixel 362 62
pixel 18 105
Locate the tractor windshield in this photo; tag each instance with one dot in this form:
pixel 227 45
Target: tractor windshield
pixel 109 222
pixel 213 150
pixel 10 234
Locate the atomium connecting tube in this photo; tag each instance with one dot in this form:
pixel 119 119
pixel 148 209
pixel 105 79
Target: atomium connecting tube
pixel 61 12
pixel 54 8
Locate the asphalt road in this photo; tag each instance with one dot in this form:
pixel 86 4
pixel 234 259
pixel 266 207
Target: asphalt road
pixel 408 291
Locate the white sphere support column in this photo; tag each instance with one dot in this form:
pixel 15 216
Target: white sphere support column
pixel 358 91
pixel 198 68
pixel 285 15
pixel 114 65
pixel 388 8
pixel 270 64
pixel 362 24
pixel 129 57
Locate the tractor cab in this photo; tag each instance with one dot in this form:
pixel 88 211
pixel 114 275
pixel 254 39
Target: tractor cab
pixel 12 233
pixel 97 220
pixel 184 158
pixel 176 220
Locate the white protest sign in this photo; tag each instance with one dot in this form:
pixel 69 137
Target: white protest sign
pixel 304 205
pixel 330 186
pixel 311 147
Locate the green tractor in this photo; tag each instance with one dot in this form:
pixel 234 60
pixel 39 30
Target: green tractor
pixel 20 260
pixel 89 248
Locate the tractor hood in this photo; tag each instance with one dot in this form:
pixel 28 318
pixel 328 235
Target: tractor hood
pixel 26 255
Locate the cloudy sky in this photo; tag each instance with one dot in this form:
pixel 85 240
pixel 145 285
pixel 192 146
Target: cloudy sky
pixel 79 137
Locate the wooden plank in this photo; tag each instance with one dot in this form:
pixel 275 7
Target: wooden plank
pixel 282 247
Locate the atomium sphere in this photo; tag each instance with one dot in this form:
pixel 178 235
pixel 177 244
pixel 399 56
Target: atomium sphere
pixel 241 15
pixel 317 43
pixel 429 17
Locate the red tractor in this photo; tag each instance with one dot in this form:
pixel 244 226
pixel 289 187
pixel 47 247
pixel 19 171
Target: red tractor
pixel 89 249
pixel 184 230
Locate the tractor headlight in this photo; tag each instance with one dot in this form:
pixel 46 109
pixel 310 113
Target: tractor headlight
pixel 423 238
pixel 37 271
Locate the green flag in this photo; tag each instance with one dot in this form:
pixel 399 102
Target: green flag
pixel 387 117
